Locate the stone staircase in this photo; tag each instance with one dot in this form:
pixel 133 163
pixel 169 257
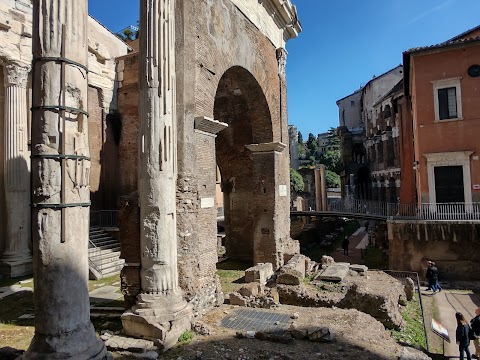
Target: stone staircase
pixel 103 254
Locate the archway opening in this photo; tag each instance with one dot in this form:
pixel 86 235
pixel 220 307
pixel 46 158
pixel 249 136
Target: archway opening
pixel 364 183
pixel 240 103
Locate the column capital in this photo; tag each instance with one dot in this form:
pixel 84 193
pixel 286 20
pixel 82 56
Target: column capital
pixel 266 147
pixel 16 75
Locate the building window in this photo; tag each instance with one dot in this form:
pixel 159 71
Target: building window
pixel 447 103
pixel 352 103
pixel 447 99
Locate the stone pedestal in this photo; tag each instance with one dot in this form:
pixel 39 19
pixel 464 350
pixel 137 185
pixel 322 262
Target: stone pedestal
pixel 160 313
pixel 272 203
pixel 60 185
pixel 17 258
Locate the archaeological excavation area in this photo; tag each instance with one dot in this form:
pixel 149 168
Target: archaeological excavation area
pixel 137 161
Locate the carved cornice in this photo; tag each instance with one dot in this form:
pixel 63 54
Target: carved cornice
pixel 15 75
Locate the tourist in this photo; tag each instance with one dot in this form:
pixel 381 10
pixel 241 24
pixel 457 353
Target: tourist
pixel 432 277
pixel 475 325
pixel 461 336
pixel 345 244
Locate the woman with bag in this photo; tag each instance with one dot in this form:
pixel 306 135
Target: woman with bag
pixel 461 336
pixel 475 325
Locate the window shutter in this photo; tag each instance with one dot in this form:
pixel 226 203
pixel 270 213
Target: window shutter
pixel 443 104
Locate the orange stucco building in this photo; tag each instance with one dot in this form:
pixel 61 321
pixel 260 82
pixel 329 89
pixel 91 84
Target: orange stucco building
pixel 443 84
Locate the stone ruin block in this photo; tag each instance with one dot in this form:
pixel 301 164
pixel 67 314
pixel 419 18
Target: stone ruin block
pixel 293 272
pixel 334 272
pixel 361 269
pixel 251 289
pixel 259 273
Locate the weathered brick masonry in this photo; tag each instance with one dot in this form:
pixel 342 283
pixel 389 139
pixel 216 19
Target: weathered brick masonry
pixel 227 70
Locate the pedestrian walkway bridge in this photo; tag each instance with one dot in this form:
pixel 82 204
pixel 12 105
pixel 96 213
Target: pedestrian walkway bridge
pixel 373 210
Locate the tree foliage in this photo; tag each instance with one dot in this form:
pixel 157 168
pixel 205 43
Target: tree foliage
pixel 300 138
pixel 332 179
pixel 296 182
pixel 312 146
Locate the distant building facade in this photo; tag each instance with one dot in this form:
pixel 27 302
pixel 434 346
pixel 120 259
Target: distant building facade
pixel 365 138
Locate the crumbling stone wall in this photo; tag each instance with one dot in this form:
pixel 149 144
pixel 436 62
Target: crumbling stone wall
pixel 455 247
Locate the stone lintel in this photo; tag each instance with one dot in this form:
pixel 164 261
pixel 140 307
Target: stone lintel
pixel 266 147
pixel 209 125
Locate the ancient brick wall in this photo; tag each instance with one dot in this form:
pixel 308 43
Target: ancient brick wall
pixel 213 39
pixel 127 70
pixel 455 247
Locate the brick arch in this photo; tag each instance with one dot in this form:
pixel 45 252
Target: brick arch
pixel 230 41
pixel 241 103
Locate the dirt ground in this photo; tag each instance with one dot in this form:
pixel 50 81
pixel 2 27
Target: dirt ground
pixel 356 336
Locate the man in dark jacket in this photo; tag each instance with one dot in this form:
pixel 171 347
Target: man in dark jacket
pixel 475 325
pixel 432 276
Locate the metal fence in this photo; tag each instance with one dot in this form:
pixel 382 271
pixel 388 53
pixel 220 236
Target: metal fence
pixel 402 277
pixel 104 218
pixel 440 211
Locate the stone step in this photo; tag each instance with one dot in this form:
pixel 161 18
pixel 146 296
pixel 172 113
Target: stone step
pixel 106 247
pixel 103 254
pixel 105 261
pixel 104 242
pixel 112 271
pixel 99 235
pixel 109 267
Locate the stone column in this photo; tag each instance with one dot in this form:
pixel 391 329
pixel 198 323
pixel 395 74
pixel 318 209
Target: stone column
pixel 161 313
pixel 323 186
pixel 272 205
pixel 60 184
pixel 17 258
pixel 318 190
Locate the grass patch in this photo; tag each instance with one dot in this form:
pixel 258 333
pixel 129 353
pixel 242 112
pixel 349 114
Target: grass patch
pixel 185 338
pixel 413 333
pixel 232 274
pixel 16 281
pixel 109 281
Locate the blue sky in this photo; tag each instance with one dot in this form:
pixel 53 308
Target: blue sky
pixel 343 44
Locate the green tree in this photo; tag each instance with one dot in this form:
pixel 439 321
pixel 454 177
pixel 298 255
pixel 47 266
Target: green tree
pixel 312 146
pixel 332 179
pixel 300 138
pixel 333 138
pixel 331 160
pixel 296 183
pixel 301 151
pixel 129 33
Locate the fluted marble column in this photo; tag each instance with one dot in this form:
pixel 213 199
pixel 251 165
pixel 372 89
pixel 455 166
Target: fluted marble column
pixel 17 258
pixel 161 313
pixel 60 184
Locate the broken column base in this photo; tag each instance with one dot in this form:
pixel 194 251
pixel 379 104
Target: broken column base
pixel 16 268
pixel 160 318
pixel 80 344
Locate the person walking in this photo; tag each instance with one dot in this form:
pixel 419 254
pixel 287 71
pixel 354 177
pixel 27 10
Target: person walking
pixel 461 336
pixel 432 276
pixel 475 325
pixel 345 245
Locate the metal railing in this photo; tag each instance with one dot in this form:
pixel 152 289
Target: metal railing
pixel 440 211
pixel 104 218
pixel 402 277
